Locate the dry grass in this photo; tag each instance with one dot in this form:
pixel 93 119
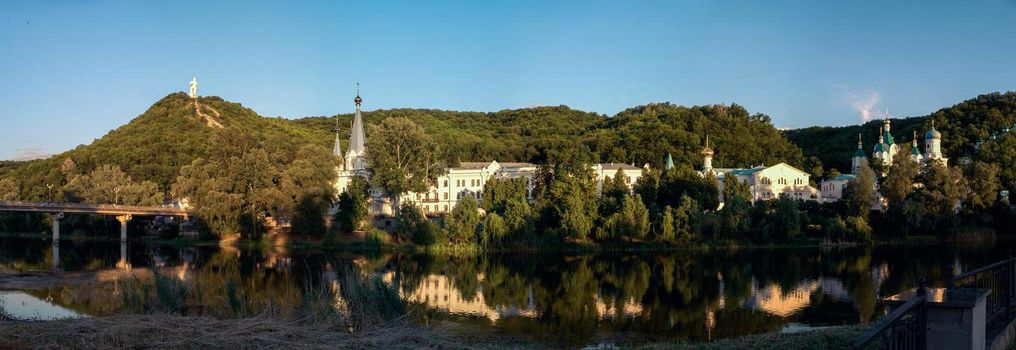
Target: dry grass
pixel 835 338
pixel 181 332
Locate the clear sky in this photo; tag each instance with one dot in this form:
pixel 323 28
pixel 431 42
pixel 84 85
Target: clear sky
pixel 72 70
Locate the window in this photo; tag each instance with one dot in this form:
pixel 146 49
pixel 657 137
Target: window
pixel 446 207
pixel 445 183
pixel 446 195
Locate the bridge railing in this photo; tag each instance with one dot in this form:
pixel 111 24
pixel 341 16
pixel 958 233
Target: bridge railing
pixel 87 206
pixel 904 328
pixel 999 277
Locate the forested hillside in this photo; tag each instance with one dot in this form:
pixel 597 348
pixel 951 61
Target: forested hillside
pixel 155 145
pixel 962 125
pixel 639 135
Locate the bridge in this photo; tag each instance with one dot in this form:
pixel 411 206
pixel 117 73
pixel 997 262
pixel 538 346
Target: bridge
pixel 123 213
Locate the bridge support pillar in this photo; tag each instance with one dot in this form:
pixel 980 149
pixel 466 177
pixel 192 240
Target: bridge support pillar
pixel 54 218
pixel 123 226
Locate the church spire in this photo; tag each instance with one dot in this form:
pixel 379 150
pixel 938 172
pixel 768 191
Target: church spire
pixel 337 149
pixel 356 137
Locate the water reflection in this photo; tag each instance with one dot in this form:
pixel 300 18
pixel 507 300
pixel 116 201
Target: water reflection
pixel 559 298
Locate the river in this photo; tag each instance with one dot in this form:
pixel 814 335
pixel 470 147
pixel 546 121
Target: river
pixel 559 298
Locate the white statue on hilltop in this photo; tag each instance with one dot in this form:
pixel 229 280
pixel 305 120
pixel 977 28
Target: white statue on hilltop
pixel 194 87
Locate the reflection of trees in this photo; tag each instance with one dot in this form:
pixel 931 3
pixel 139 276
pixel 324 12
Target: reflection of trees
pixel 690 295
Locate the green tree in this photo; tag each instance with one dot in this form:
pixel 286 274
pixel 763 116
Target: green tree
pixel 900 182
pixel 632 220
pixel 860 193
pixel 108 184
pixel 353 205
pixel 665 230
pixel 518 217
pixel 414 226
pixel 944 189
pixel 786 219
pixel 686 219
pixel 494 230
pixel 9 190
pixel 569 205
pixel 461 225
pixel 735 218
pixel 1002 152
pixel 733 187
pixel 983 181
pixel 309 218
pixel 402 157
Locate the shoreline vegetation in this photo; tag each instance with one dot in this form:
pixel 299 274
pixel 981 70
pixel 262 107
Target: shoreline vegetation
pixel 368 244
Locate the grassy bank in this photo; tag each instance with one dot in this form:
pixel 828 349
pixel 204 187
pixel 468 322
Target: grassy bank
pixel 180 332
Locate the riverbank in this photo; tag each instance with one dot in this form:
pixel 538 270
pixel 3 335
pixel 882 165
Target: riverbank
pixel 386 244
pixel 181 332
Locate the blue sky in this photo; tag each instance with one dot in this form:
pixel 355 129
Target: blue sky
pixel 71 71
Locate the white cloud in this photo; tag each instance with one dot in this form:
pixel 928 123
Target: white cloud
pixel 30 154
pixel 863 103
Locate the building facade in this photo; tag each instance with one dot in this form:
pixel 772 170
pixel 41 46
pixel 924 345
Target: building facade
pixel 885 150
pixel 764 182
pixel 457 183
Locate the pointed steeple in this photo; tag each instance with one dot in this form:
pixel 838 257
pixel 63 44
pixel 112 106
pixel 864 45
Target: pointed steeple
pixel 356 138
pixel 670 162
pixel 915 152
pixel 860 147
pixel 337 149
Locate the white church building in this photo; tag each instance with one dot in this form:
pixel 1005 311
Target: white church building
pixel 885 150
pixel 764 182
pixel 465 180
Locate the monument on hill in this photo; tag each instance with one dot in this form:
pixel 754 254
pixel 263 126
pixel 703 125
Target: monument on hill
pixel 194 87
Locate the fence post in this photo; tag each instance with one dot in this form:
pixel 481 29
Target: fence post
pixel 922 330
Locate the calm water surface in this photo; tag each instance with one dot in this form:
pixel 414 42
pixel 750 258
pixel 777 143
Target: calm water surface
pixel 553 297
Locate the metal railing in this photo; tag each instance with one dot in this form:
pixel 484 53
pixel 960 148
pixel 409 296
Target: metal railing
pixel 997 277
pixel 904 328
pixel 79 207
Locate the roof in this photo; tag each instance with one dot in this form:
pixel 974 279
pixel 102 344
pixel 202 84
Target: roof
pixel 879 148
pixel 356 138
pixel 481 165
pixel 472 165
pixel 615 166
pixel 845 177
pixel 914 151
pixel 859 153
pixel 670 162
pixel 337 149
pixel 933 134
pixel 888 137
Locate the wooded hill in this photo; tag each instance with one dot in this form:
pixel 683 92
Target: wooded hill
pixel 170 134
pixel 962 126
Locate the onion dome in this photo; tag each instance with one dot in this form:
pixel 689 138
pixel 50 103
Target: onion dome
pixel 933 134
pixel 860 146
pixel 357 100
pixel 707 152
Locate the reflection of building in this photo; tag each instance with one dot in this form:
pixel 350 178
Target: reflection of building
pixel 774 300
pixel 440 292
pixel 628 309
